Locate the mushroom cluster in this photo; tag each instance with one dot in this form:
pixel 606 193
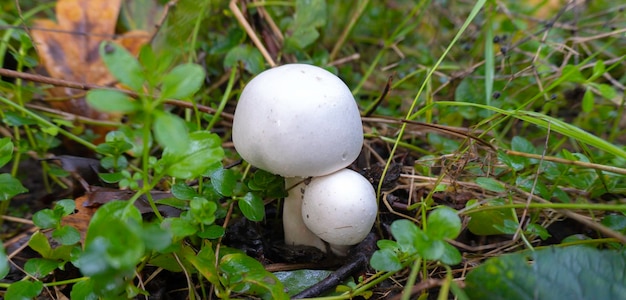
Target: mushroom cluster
pixel 301 121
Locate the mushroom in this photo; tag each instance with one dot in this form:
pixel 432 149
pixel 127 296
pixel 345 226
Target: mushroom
pixel 297 121
pixel 340 208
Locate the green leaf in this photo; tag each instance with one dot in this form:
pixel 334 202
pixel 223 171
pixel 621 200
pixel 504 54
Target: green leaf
pixel 224 181
pixel 65 206
pixel 183 81
pixel 252 207
pixel 9 187
pixel 182 191
pixel 211 232
pixel 123 65
pixel 443 223
pixel 607 91
pixel 250 277
pixel 203 150
pixel 598 69
pixel 66 235
pixel 553 273
pixel 405 233
pixel 6 151
pixel 572 73
pixel 588 101
pixel 299 280
pixel 4 263
pixel 155 237
pixel 309 16
pixel 180 228
pixel 39 242
pixel 170 131
pixel 488 222
pixel 23 290
pixel 46 218
pixel 40 267
pixel 615 222
pixel 204 262
pixel 113 244
pixel 251 58
pixel 490 184
pixel 385 260
pixel 202 210
pixel 84 290
pixel 111 177
pixel 112 101
pixel 521 144
pixel 451 255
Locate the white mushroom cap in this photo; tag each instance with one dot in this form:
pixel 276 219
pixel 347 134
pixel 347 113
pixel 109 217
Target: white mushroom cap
pixel 297 120
pixel 340 208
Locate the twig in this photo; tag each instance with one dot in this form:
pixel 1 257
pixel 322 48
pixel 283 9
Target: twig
pixel 246 26
pixel 360 256
pixel 88 86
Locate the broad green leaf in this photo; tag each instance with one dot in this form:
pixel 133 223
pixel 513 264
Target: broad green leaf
pixel 112 101
pixel 224 181
pixel 10 186
pixel 6 151
pixel 204 262
pixel 4 263
pixel 203 150
pixel 202 210
pixel 65 206
pixel 309 16
pixel 250 56
pixel 385 260
pixel 249 276
pixel 487 222
pixel 405 233
pixel 111 177
pixel 252 207
pixel 23 290
pixel 607 91
pixel 516 163
pixel 180 228
pixel 299 280
pixel 155 237
pixel 521 144
pixel 113 243
pixel 183 81
pixel 572 73
pixel 615 222
pixel 46 218
pixel 66 235
pixel 182 191
pixel 553 273
pixel 40 267
pixel 598 69
pixel 170 131
pixel 443 223
pixel 123 65
pixel 211 232
pixel 588 101
pixel 451 255
pixel 39 242
pixel 490 184
pixel 84 290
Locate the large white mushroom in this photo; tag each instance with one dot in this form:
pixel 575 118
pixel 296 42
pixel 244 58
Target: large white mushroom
pixel 297 121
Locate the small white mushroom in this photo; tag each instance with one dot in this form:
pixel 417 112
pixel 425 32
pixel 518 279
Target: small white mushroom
pixel 297 121
pixel 340 208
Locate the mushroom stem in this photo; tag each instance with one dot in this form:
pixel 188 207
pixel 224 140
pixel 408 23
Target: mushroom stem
pixel 296 232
